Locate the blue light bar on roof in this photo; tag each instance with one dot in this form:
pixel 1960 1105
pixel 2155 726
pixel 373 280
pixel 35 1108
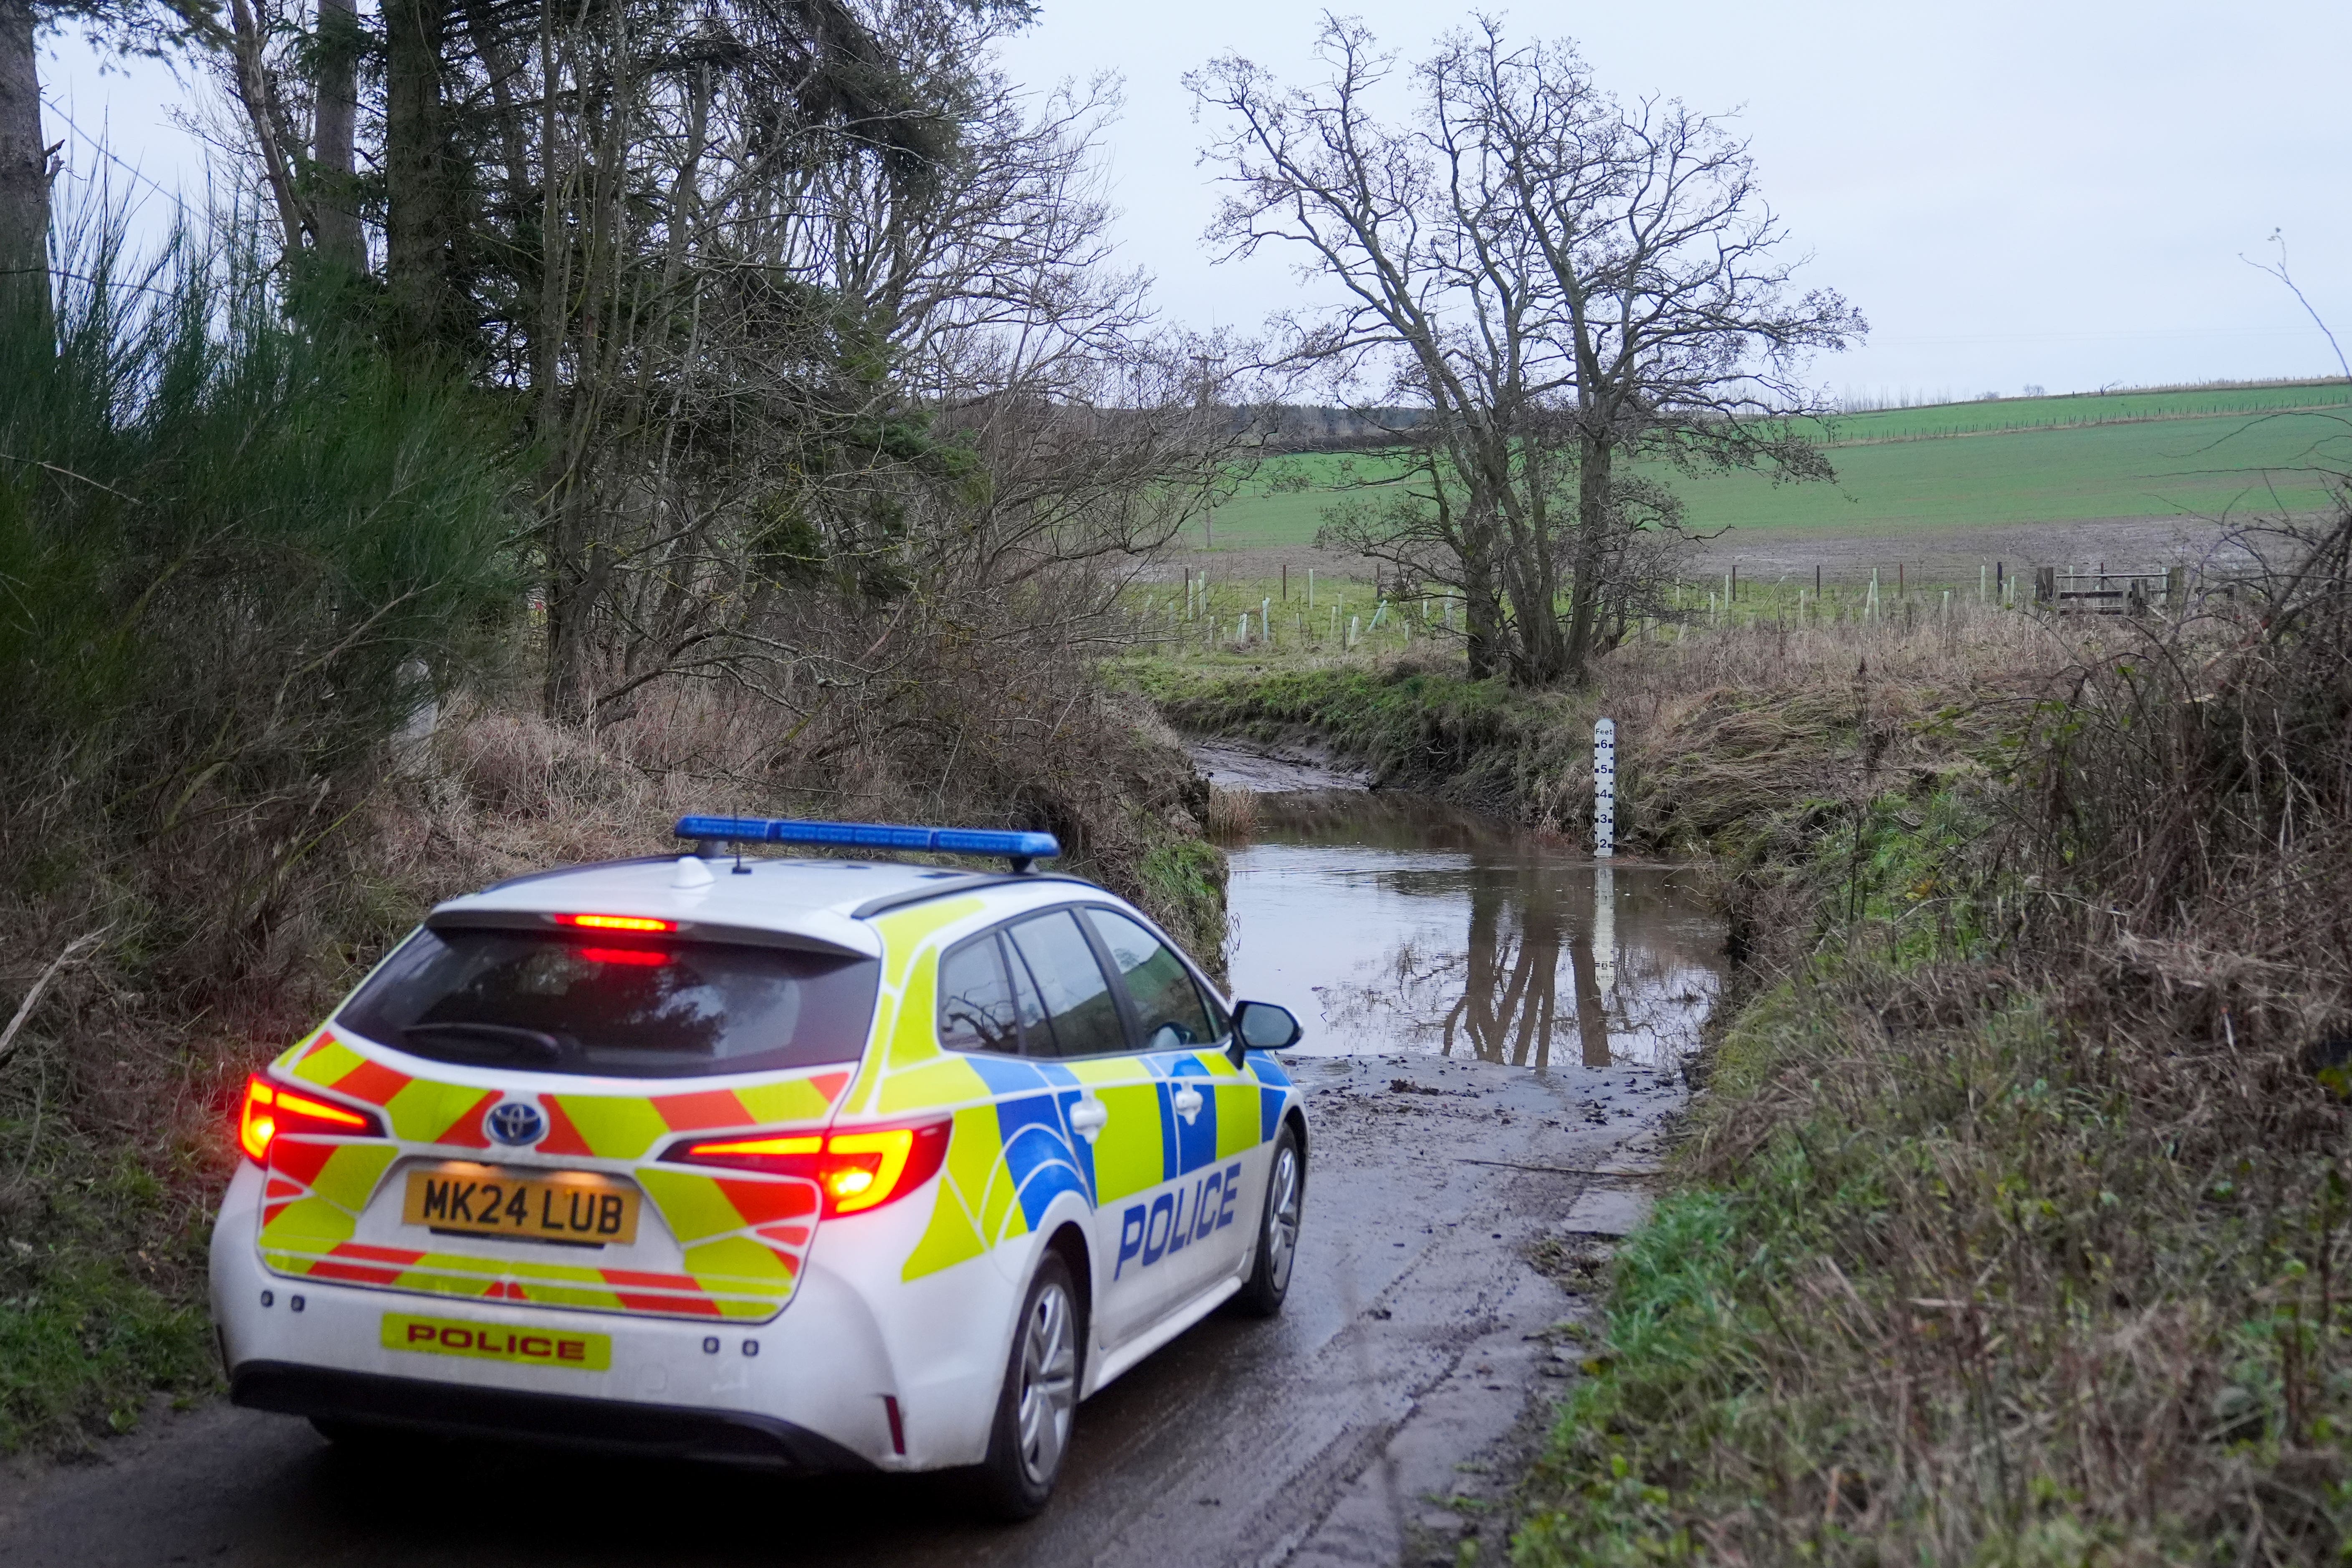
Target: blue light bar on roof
pixel 870 836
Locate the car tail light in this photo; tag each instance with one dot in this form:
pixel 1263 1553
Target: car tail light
pixel 614 922
pixel 858 1169
pixel 270 1108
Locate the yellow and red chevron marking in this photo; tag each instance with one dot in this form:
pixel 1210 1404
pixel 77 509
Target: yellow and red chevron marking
pixel 420 1110
pixel 494 1279
pixel 601 1126
pixel 743 1235
pixel 629 1127
pixel 744 1238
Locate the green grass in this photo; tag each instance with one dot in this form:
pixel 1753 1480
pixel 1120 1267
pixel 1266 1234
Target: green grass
pixel 2014 460
pixel 2081 408
pixel 101 1271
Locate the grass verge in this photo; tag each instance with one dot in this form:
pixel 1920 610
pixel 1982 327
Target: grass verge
pixel 2014 1229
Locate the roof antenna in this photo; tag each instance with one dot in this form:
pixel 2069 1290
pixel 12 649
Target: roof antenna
pixel 740 868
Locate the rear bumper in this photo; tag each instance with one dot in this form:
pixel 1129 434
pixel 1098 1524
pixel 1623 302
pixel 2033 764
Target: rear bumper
pixel 813 1388
pixel 458 1410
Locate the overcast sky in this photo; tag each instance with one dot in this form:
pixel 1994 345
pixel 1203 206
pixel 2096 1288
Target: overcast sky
pixel 2054 194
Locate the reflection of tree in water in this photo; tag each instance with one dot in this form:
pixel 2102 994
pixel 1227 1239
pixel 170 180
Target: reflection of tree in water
pixel 1658 1006
pixel 1398 1003
pixel 1498 997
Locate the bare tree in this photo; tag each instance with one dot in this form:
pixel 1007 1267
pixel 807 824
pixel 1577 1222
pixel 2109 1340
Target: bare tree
pixel 23 166
pixel 810 324
pixel 1322 170
pixel 1565 284
pixel 1666 285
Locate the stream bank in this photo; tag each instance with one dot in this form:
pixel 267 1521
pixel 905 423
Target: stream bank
pixel 2013 1224
pixel 1802 769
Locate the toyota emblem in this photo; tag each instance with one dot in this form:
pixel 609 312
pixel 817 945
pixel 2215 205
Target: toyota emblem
pixel 515 1122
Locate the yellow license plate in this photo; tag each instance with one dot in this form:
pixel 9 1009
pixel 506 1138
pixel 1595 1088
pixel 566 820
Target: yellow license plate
pixel 490 1342
pixel 481 1200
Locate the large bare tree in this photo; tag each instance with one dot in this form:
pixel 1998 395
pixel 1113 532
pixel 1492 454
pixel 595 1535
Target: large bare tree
pixel 1567 284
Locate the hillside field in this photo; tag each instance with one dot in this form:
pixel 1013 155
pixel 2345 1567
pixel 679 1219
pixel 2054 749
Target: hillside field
pixel 2194 453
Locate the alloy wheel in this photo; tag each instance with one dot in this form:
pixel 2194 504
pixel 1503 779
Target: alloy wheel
pixel 1282 1219
pixel 1049 1363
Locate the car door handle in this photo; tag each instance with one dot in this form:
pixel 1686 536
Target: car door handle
pixel 1188 1103
pixel 1088 1118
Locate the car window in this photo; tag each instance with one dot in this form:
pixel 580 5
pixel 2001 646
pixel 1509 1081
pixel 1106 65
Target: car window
pixel 628 1007
pixel 1078 1001
pixel 976 1007
pixel 1030 1006
pixel 1167 1004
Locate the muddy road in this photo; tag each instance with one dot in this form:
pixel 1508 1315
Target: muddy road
pixel 1429 1332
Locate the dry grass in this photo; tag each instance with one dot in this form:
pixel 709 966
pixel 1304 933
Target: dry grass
pixel 2016 1228
pixel 1232 815
pixel 1715 730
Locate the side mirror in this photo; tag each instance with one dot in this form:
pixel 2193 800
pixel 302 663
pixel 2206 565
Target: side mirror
pixel 1262 1026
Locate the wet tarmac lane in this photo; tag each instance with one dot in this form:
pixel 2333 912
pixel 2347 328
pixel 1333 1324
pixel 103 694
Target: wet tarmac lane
pixel 1424 1336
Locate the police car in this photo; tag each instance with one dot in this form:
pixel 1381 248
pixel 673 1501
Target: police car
pixel 839 1164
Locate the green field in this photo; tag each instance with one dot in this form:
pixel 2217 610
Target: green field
pixel 2009 461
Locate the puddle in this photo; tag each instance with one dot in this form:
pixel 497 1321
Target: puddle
pixel 1391 923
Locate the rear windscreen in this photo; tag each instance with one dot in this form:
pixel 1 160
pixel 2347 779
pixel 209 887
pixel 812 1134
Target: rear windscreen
pixel 626 1008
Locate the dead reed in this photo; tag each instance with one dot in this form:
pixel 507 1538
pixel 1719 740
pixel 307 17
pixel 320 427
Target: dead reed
pixel 1232 815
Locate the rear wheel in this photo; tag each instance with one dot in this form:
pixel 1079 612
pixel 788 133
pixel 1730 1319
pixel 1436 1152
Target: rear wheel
pixel 1031 1432
pixel 1278 1233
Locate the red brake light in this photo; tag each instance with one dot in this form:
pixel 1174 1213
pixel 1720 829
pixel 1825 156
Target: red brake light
pixel 614 922
pixel 645 957
pixel 858 1169
pixel 270 1108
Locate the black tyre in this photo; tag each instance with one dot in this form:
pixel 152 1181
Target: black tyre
pixel 1277 1232
pixel 1031 1432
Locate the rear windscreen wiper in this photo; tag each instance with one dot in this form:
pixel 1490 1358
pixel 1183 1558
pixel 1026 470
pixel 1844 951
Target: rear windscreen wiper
pixel 498 1044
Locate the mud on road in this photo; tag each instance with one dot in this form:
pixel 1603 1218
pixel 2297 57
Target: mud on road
pixel 1374 1422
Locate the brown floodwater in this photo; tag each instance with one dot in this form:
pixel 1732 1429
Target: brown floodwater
pixel 1394 923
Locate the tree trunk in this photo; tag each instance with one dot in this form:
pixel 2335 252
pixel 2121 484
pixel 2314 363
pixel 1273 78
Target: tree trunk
pixel 1486 641
pixel 253 92
pixel 339 241
pixel 1592 481
pixel 23 168
pixel 1538 655
pixel 425 216
pixel 575 581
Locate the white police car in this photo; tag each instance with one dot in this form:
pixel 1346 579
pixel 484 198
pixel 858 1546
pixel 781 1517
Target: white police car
pixel 836 1165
